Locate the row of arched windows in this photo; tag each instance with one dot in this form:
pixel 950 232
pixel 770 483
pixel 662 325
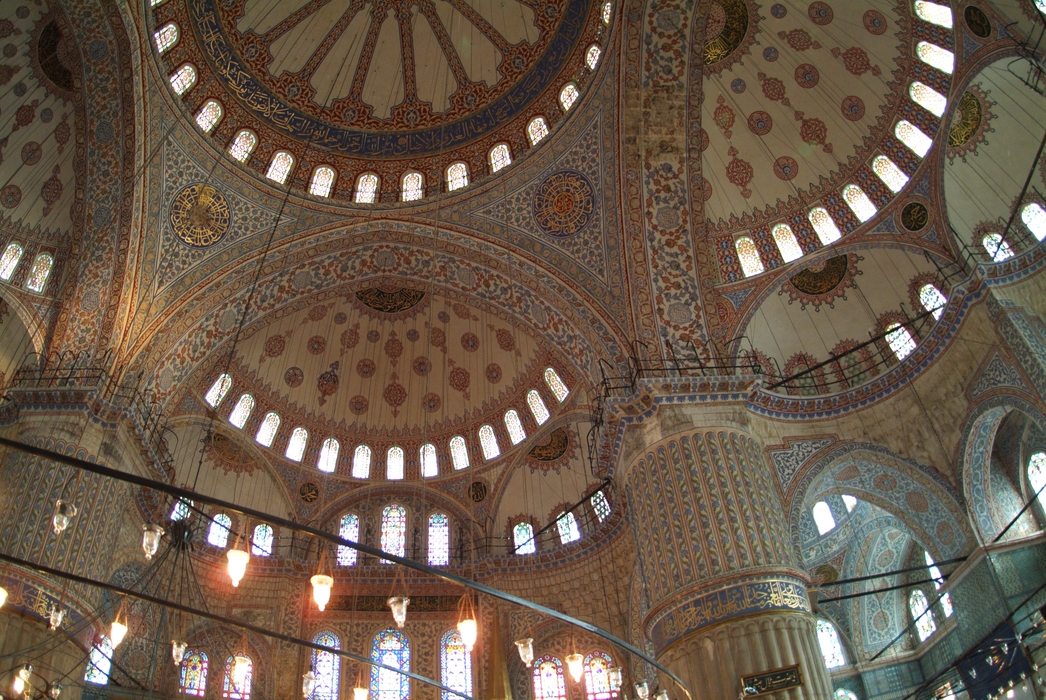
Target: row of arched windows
pixel 394 536
pixel 550 680
pixel 1034 218
pixel 395 456
pixel 192 675
pixel 36 280
pixel 524 541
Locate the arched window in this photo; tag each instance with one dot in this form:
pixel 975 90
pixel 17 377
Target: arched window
pixel 892 176
pixel 209 115
pixel 280 167
pixel 600 505
pixel 459 453
pixel 457 176
pixel 267 430
pixel 938 581
pixel 322 181
pixel 1037 476
pixel 394 463
pixel 412 186
pixel 568 96
pixel 844 694
pixel 429 463
pixel 326 666
pixel 850 502
pixel 941 15
pixel 556 385
pixel 1034 217
pixel 393 531
pixel 391 648
pixel 500 156
pixel 592 56
pixel 858 202
pixel 218 532
pixel 900 340
pixel 831 648
pixel 166 36
pixel 549 683
pixel 9 260
pixel 824 225
pixel 296 445
pixel 243 145
pixel 361 462
pixel 39 272
pixel 439 539
pixel 328 460
pixel 786 242
pixel 932 300
pixel 566 523
pixel 261 543
pixel 489 442
pixel 997 248
pixel 920 609
pixel 216 394
pixel 597 677
pixel 928 98
pixel 608 12
pixel 537 407
pixel 101 662
pixel 748 256
pixel 193 677
pixel 366 188
pixel 183 79
pixel 523 538
pixel 823 518
pixel 913 137
pixel 514 426
pixel 237 691
pixel 181 510
pixel 455 665
pixel 933 55
pixel 537 129
pixel 349 529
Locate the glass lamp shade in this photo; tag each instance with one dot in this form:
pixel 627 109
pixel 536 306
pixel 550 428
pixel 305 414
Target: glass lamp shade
pixel 18 685
pixel 25 672
pixel 54 691
pixel 360 693
pixel 576 666
pixel 321 590
pixel 63 513
pixel 55 617
pixel 525 647
pixel 3 596
pixel 238 559
pixel 661 695
pixel 308 683
pixel 398 604
pixel 177 651
pixel 469 632
pixel 616 677
pixel 642 690
pixel 240 665
pixel 117 632
pixel 151 535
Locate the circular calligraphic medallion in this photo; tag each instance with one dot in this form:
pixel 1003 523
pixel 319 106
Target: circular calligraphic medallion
pixel 915 216
pixel 563 203
pixel 200 215
pixel 477 491
pixel 308 492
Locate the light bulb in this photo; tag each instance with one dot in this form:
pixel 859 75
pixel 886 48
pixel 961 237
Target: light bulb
pixel 63 513
pixel 55 617
pixel 469 632
pixel 308 683
pixel 359 693
pixel 238 559
pixel 321 590
pixel 240 665
pixel 3 596
pixel 151 535
pixel 18 685
pixel 117 632
pixel 398 604
pixel 525 647
pixel 642 690
pixel 616 677
pixel 576 665
pixel 54 691
pixel 177 651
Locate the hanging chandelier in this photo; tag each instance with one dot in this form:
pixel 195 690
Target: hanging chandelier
pixel 308 683
pixel 55 616
pixel 240 666
pixel 21 678
pixel 467 627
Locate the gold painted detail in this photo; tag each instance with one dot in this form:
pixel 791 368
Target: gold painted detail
pixel 563 203
pixel 308 492
pixel 200 215
pixel 967 120
pixel 390 301
pixel 734 21
pixel 771 681
pixel 816 282
pixel 553 447
pixel 915 216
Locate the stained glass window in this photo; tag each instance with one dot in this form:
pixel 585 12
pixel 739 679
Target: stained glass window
pixel 850 502
pixel 831 647
pixel 913 137
pixel 748 256
pixel 1034 217
pixel 823 518
pixel 181 510
pixel 366 188
pixel 218 532
pixel 348 530
pixel 597 676
pixel 997 248
pixel 500 156
pixel 931 100
pixel 242 146
pixel 165 36
pixel 941 15
pixel 322 181
pixel 858 202
pixel 101 662
pixel 296 445
pixel 393 531
pixel 267 430
pixel 938 581
pixel 568 96
pixel 439 540
pixel 608 11
pixel 537 129
pixel 413 186
pixel 209 115
pixel 592 56
pixel 920 609
pixel 844 694
pixel 218 390
pixel 455 665
pixel 183 79
pixel 261 543
pixel 280 167
pixel 230 689
pixel 489 442
pixel 824 225
pixel 932 54
pixel 326 666
pixel 523 538
pixel 566 523
pixel 457 176
pixel 549 683
pixel 459 453
pixel 515 427
pixel 892 176
pixel 600 505
pixel 394 463
pixel 193 678
pixel 901 341
pixel 932 300
pixel 556 384
pixel 39 272
pixel 537 407
pixel 9 260
pixel 328 460
pixel 361 462
pixel 786 242
pixel 1037 476
pixel 391 648
pixel 429 463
